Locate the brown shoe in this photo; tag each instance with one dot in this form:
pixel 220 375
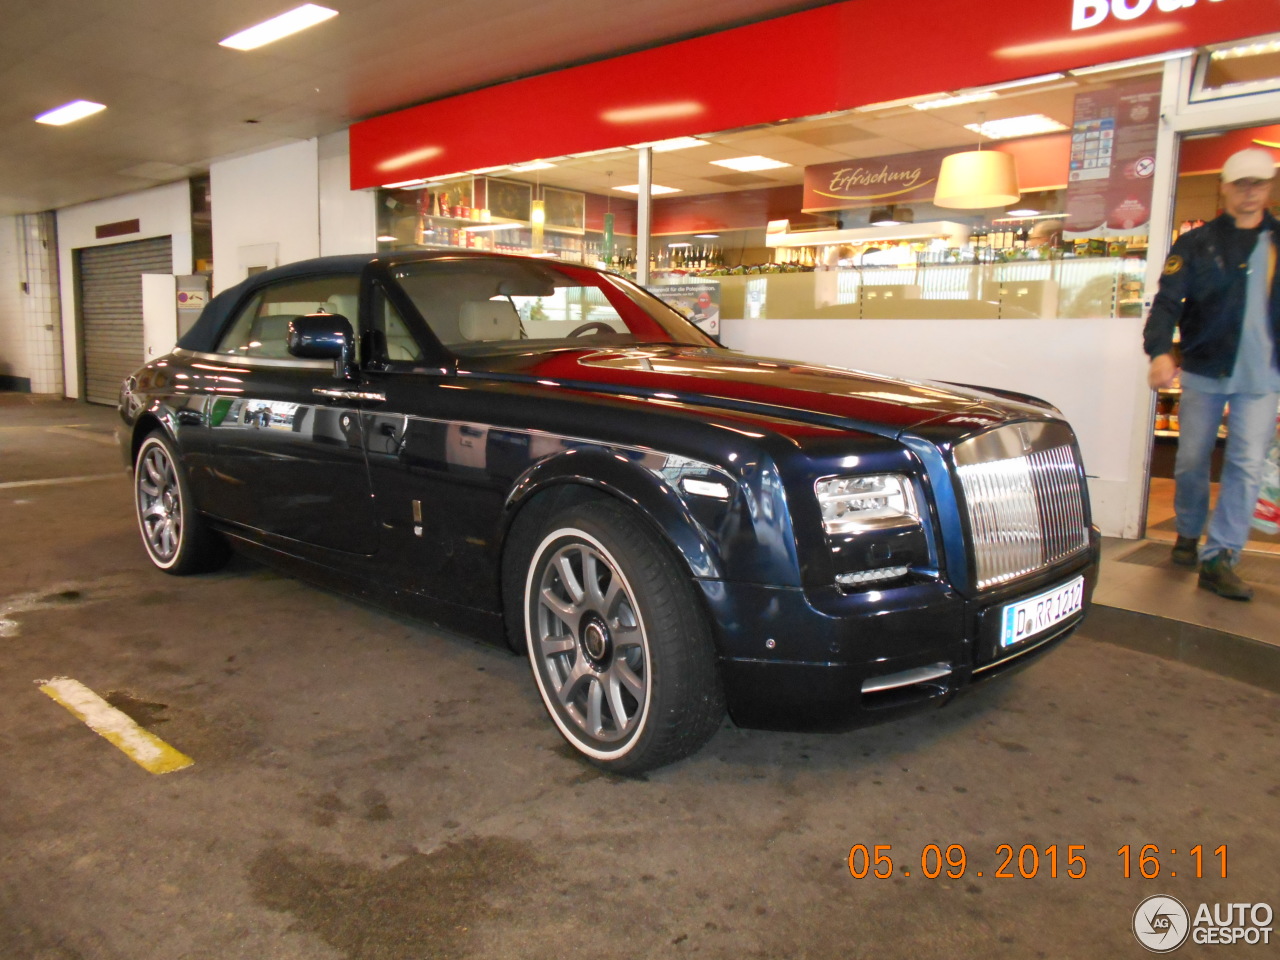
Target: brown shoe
pixel 1185 551
pixel 1218 574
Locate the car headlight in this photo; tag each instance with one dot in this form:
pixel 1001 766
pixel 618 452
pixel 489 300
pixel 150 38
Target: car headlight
pixel 850 504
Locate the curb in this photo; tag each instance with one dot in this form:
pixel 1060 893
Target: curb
pixel 1240 658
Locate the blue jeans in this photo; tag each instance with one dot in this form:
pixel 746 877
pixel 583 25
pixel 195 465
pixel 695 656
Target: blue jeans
pixel 1251 424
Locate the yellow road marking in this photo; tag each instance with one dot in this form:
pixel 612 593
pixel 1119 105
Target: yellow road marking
pixel 141 746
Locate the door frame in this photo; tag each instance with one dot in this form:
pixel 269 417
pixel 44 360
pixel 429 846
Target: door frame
pixel 1181 117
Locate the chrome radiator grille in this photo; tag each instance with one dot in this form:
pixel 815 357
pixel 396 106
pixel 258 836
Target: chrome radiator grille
pixel 1024 499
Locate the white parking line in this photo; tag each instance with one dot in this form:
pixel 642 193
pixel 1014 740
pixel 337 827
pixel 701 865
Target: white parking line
pixel 141 746
pixel 59 481
pixel 79 430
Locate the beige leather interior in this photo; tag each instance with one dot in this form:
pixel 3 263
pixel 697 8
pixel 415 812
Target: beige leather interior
pixel 489 320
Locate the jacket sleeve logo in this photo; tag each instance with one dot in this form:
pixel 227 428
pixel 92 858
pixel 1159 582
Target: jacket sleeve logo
pixel 1172 265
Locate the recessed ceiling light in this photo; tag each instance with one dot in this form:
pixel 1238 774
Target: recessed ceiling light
pixel 1022 212
pixel 1129 64
pixel 403 184
pixel 654 189
pixel 595 154
pixel 1027 126
pixel 70 112
pixel 1024 82
pixel 902 102
pixel 387 238
pixel 1247 50
pixel 530 167
pixel 277 28
pixel 707 236
pixel 750 164
pixel 955 100
pixel 674 143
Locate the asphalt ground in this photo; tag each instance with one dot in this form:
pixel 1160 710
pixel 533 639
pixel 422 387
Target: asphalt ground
pixel 366 787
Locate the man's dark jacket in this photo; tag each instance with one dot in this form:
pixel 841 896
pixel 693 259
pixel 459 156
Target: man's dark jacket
pixel 1202 293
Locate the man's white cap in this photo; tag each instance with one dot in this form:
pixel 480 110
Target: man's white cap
pixel 1251 164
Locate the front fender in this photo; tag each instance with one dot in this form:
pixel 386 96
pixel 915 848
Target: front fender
pixel 629 479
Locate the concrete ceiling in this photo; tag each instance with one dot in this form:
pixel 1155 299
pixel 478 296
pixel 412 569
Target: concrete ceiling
pixel 176 100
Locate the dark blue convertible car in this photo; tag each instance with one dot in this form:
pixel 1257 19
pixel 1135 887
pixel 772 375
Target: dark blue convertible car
pixel 547 455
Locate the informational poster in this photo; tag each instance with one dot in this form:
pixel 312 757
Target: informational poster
pixel 1113 158
pixel 699 301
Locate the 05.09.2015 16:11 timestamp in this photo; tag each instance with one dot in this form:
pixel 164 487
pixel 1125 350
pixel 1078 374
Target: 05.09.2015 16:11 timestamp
pixel 1029 861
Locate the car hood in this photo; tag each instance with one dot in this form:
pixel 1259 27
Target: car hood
pixel 779 389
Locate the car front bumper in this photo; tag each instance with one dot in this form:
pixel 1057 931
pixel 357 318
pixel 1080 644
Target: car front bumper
pixel 863 658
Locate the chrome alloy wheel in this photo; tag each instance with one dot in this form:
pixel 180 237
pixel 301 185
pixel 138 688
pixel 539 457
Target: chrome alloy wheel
pixel 590 654
pixel 159 504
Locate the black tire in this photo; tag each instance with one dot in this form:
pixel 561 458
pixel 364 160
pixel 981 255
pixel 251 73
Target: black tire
pixel 620 649
pixel 175 536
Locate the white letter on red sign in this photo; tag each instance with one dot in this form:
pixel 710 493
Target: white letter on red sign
pixel 1122 10
pixel 1168 6
pixel 1088 13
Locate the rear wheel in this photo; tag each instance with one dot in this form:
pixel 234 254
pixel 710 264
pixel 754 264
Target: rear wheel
pixel 619 647
pixel 176 538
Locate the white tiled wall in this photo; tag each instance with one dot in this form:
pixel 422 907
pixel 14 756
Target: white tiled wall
pixel 30 310
pixel 41 302
pixel 13 348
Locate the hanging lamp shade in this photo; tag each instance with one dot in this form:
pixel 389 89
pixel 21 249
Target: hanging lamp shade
pixel 976 179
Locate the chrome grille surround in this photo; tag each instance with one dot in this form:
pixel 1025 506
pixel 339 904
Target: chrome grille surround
pixel 1024 499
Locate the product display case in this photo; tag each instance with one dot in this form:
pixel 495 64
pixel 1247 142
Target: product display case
pixel 489 213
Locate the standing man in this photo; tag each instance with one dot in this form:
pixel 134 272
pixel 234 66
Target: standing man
pixel 1218 291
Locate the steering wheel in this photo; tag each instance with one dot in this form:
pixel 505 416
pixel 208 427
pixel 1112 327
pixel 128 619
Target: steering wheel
pixel 591 326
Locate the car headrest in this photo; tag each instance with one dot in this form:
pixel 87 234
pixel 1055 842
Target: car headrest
pixel 489 320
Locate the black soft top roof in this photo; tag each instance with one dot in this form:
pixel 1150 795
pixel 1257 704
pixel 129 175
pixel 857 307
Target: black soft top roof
pixel 203 336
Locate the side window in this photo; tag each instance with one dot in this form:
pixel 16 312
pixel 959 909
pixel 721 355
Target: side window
pixel 262 328
pixel 398 342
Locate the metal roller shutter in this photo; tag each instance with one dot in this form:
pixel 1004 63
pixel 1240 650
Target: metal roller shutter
pixel 111 310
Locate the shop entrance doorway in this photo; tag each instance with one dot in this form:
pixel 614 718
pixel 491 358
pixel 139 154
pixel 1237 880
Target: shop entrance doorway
pixel 1196 201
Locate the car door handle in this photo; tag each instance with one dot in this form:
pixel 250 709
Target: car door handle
pixel 369 396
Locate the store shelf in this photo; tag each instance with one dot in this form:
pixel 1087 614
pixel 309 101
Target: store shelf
pixel 1173 434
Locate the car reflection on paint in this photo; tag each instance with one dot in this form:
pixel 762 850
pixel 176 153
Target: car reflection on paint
pixel 546 455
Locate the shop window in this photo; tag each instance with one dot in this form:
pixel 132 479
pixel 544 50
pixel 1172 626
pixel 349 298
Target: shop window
pixel 1237 69
pixel 836 216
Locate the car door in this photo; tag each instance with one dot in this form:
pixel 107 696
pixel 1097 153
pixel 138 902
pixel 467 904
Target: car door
pixel 419 503
pixel 282 450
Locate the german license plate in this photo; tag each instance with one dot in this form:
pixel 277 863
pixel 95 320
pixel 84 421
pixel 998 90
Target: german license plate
pixel 1027 618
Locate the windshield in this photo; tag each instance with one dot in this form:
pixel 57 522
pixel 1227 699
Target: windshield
pixel 480 305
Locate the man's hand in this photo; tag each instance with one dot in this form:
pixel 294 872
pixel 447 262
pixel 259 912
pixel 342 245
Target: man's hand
pixel 1162 372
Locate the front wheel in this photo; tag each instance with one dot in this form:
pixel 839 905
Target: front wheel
pixel 174 534
pixel 619 647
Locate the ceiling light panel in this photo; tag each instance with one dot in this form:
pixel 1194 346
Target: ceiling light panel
pixel 893 104
pixel 956 100
pixel 1015 84
pixel 675 143
pixel 277 28
pixel 1026 126
pixel 1130 64
pixel 750 164
pixel 654 189
pixel 70 112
